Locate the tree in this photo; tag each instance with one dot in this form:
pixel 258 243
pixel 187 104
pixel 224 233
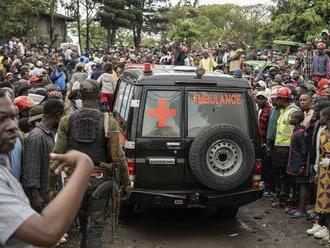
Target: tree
pixel 299 20
pixel 221 23
pixel 185 31
pixel 144 11
pixel 192 3
pixel 98 35
pixel 16 17
pixel 73 6
pixel 86 8
pixel 113 15
pixel 91 8
pixel 52 12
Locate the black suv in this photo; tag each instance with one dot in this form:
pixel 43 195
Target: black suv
pixel 190 139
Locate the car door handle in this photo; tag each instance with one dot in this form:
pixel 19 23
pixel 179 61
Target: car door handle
pixel 173 144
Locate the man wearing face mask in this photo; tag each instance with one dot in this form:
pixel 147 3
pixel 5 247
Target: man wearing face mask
pixel 321 63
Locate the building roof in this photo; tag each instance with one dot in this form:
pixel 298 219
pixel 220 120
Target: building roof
pixel 59 16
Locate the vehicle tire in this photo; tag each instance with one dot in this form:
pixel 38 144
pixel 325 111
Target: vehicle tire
pixel 221 157
pixel 227 213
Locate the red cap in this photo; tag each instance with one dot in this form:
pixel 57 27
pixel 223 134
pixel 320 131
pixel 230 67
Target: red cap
pixel 24 102
pixel 284 92
pixel 34 79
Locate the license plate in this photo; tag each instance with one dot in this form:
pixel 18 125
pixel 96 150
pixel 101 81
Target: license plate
pixel 162 161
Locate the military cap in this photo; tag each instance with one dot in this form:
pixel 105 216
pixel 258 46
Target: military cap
pixel 89 88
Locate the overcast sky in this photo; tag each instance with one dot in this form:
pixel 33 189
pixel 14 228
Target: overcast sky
pixel 241 2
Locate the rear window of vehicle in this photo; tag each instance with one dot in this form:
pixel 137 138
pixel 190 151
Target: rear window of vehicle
pixel 207 108
pixel 120 96
pixel 162 114
pixel 123 100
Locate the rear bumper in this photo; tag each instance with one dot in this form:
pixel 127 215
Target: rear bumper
pixel 170 199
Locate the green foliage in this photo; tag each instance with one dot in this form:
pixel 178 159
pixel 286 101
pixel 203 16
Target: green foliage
pixel 299 20
pixel 97 34
pixel 218 23
pixel 185 31
pixel 17 17
pixel 113 15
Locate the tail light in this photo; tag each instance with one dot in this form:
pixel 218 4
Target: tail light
pixel 256 177
pixel 131 166
pixel 131 169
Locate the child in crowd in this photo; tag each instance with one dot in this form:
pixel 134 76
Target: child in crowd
pixel 297 163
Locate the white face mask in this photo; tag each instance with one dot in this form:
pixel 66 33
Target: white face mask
pixel 78 103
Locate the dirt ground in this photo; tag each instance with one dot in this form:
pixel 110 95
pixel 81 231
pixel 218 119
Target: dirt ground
pixel 257 225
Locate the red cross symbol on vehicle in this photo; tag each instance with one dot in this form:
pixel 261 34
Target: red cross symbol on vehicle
pixel 162 112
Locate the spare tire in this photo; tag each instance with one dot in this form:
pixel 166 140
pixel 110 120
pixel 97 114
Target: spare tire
pixel 221 157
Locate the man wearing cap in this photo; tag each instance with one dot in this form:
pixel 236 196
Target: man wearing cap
pixel 321 63
pixel 90 131
pixel 35 116
pixel 39 144
pixel 280 152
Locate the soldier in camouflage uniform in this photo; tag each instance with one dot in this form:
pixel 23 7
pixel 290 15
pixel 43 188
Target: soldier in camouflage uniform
pixel 84 130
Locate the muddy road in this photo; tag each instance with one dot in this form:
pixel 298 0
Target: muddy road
pixel 257 225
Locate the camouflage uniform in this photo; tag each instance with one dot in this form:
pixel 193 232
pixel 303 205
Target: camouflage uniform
pixel 114 146
pixel 91 234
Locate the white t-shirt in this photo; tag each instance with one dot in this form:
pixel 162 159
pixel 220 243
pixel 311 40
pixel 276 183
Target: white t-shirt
pixel 21 48
pixel 108 83
pixel 89 68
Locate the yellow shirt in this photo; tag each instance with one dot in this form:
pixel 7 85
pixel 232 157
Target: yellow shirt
pixel 208 64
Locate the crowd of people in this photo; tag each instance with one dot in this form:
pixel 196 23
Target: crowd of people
pixel 293 107
pixel 48 107
pixel 52 88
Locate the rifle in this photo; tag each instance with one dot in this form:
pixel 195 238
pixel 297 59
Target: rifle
pixel 116 199
pixel 116 190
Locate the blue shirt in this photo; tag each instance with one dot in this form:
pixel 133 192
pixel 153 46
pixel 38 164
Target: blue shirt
pixel 59 79
pixel 83 59
pixel 16 160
